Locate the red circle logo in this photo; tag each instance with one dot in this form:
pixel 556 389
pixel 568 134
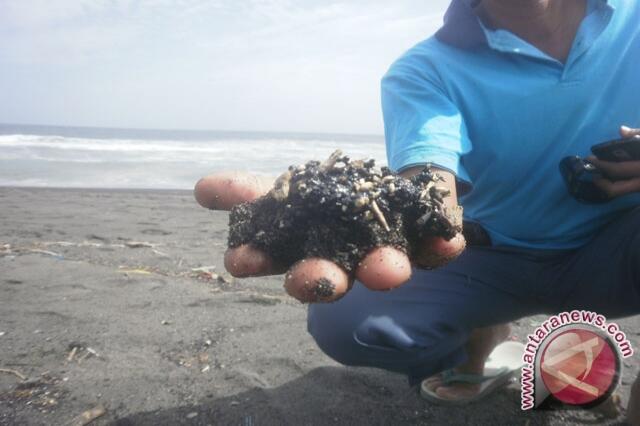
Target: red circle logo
pixel 580 367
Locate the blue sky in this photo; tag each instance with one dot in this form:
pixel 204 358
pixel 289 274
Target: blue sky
pixel 271 65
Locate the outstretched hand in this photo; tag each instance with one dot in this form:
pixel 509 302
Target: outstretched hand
pixel 382 269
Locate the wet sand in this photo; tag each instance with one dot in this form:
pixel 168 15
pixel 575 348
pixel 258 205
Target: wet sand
pixel 102 305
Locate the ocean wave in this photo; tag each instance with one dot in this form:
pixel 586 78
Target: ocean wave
pixel 131 145
pixel 36 160
pixel 269 147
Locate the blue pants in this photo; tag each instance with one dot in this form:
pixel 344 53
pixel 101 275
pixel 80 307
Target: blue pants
pixel 422 327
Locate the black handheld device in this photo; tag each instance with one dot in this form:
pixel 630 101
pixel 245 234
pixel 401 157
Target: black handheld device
pixel 578 173
pixel 618 150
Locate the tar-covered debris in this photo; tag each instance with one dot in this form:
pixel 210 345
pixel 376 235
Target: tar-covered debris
pixel 340 209
pixel 324 289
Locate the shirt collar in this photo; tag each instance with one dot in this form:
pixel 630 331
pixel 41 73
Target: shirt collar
pixel 461 25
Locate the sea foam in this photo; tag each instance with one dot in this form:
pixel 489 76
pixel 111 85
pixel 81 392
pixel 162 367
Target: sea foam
pixel 158 162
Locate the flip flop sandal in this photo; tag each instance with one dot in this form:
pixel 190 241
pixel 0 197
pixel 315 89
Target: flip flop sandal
pixel 501 367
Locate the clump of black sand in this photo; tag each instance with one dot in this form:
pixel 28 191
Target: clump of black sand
pixel 340 209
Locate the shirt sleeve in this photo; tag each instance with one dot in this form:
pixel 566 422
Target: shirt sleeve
pixel 422 125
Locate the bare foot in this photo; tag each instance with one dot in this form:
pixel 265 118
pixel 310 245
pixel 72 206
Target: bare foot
pixel 633 410
pixel 479 347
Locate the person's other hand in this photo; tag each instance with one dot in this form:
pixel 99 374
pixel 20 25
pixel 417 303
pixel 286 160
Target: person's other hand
pixel 619 178
pixel 382 269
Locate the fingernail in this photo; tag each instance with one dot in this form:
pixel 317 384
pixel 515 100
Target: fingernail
pixel 625 129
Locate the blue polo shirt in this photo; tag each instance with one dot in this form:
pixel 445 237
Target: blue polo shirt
pixel 501 114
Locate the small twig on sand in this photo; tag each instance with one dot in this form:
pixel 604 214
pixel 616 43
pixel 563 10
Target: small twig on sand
pixel 139 244
pixel 89 353
pixel 72 354
pixel 93 352
pixel 14 372
pixel 160 253
pixel 47 252
pixel 88 416
pixel 136 271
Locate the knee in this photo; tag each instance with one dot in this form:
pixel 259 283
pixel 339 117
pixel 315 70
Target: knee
pixel 333 336
pixel 352 340
pixel 380 341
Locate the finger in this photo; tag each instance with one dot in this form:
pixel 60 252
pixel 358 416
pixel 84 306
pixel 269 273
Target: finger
pixel 619 187
pixel 627 132
pixel 222 191
pixel 614 170
pixel 384 268
pixel 247 261
pixel 317 280
pixel 436 251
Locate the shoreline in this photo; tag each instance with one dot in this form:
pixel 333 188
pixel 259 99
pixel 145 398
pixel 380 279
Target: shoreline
pixel 117 299
pixel 97 189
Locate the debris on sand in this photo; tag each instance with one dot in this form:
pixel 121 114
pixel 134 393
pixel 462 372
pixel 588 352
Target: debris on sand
pixel 79 352
pixel 138 271
pixel 207 273
pixel 13 372
pixel 204 273
pixel 47 253
pixel 204 269
pixel 89 416
pixel 72 354
pixel 42 393
pixel 139 244
pixel 340 209
pixel 261 299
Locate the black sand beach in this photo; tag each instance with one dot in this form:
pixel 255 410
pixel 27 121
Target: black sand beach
pixel 117 301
